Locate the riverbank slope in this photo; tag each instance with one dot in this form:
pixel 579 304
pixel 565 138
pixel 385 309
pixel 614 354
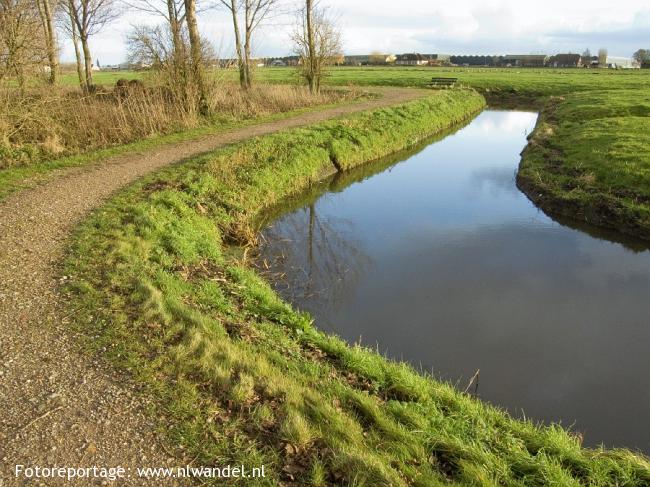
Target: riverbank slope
pixel 589 159
pixel 241 378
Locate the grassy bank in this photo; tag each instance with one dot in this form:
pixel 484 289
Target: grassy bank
pixel 243 378
pixel 589 159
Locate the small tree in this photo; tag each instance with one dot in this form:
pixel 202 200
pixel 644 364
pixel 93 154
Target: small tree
pixel 642 55
pixel 149 46
pixel 317 43
pixel 602 57
pixel 67 23
pixel 255 11
pixel 377 58
pixel 176 51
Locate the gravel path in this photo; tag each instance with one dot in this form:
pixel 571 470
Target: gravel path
pixel 58 405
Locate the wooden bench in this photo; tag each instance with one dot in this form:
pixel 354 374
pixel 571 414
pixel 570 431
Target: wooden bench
pixel 442 82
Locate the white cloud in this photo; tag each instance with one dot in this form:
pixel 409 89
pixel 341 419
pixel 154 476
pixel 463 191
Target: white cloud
pixel 458 27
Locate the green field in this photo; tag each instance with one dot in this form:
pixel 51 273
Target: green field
pixel 540 82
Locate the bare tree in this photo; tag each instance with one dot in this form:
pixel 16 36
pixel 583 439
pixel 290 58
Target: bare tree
pixel 88 17
pixel 317 43
pixel 149 46
pixel 21 40
pixel 255 11
pixel 173 12
pixel 46 10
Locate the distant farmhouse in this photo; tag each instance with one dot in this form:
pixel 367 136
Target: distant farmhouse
pixel 374 59
pixel 525 60
pixel 616 62
pixel 361 60
pixel 566 61
pixel 413 59
pixel 417 59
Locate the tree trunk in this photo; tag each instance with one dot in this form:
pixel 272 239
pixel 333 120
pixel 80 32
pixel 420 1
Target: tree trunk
pixel 241 60
pixel 77 53
pixel 311 48
pixel 247 61
pixel 88 62
pixel 179 54
pixel 195 53
pixel 175 28
pixel 45 10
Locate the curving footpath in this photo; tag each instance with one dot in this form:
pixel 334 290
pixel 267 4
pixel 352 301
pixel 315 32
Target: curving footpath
pixel 59 406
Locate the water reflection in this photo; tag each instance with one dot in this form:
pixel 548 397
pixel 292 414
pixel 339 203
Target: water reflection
pixel 439 260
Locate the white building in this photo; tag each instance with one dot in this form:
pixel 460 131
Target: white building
pixel 622 63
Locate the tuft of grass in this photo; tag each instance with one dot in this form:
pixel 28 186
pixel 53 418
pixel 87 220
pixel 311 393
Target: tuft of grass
pixel 241 377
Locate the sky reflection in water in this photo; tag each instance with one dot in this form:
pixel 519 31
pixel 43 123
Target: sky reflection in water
pixel 440 260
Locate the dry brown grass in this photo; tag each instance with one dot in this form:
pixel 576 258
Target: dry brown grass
pixel 265 99
pixel 48 123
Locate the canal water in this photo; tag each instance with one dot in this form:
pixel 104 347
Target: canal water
pixel 435 257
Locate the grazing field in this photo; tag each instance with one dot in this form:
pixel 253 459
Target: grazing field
pixel 244 379
pixel 530 81
pixel 535 82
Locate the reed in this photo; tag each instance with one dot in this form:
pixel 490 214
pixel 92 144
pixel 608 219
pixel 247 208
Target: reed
pixel 44 123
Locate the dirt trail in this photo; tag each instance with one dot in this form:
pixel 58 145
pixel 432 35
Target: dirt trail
pixel 58 406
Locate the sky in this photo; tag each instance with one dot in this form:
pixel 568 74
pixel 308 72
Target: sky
pixel 428 26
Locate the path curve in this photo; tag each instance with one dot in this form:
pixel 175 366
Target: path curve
pixel 58 405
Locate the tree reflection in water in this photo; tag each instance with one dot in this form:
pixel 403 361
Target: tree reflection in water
pixel 318 257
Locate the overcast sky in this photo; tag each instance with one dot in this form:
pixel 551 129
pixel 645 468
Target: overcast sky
pixel 429 26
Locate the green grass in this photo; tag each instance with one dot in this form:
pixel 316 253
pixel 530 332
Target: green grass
pixel 241 377
pixel 530 82
pixel 589 158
